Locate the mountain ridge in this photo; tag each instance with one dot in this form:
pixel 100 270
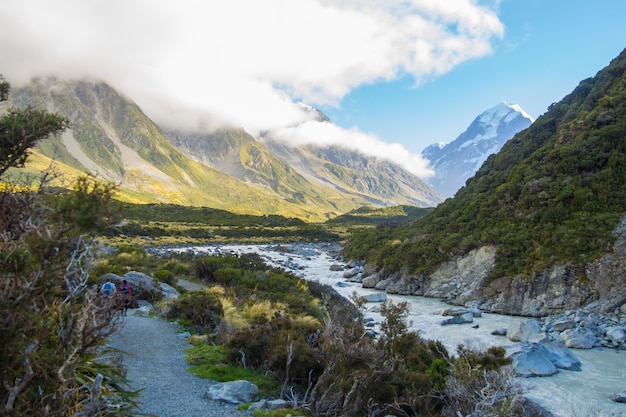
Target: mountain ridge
pixel 110 136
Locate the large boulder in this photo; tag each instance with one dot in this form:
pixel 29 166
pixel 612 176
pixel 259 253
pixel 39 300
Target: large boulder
pixel 562 325
pixel 370 281
pixel 233 392
pixel 382 284
pixel 543 357
pixel 616 335
pixel 578 338
pixel 523 331
pixel 142 284
pixel 559 354
pixel 530 360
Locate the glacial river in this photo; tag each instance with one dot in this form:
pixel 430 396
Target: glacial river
pixel 566 394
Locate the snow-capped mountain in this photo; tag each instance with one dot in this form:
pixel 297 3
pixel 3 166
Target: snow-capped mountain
pixel 459 160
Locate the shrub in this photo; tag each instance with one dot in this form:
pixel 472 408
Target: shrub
pixel 163 275
pixel 53 322
pixel 200 308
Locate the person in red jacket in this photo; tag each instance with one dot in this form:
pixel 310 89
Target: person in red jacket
pixel 124 295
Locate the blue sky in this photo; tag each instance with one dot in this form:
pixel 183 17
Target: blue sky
pixel 548 47
pixel 393 75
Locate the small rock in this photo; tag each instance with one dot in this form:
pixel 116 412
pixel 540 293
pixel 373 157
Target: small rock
pixel 459 319
pixel 499 332
pixel 619 397
pixel 233 392
pixel 377 297
pixel 143 311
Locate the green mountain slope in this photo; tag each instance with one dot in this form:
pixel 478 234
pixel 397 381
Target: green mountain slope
pixel 110 136
pixel 550 198
pixel 237 154
pixel 322 176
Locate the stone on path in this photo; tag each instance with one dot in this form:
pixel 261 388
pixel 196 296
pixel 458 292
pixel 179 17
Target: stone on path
pixel 233 392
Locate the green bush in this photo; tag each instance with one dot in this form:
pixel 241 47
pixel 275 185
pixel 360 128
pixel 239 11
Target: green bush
pixel 163 275
pixel 200 308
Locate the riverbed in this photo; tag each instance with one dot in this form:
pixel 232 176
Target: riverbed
pixel 566 394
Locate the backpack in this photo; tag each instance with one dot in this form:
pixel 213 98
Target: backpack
pixel 108 289
pixel 124 289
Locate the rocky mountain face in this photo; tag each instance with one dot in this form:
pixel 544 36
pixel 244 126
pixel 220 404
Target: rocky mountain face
pixel 347 170
pixel 539 229
pixel 330 172
pixel 458 160
pixel 464 281
pixel 228 169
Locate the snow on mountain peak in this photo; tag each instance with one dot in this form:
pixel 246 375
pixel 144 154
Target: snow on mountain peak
pixel 519 109
pixel 461 158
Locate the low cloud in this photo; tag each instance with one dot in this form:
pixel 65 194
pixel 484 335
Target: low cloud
pixel 202 64
pixel 328 134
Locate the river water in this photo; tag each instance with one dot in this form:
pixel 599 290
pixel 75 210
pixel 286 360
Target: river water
pixel 566 394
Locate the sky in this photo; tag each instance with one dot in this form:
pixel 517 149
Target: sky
pixel 393 76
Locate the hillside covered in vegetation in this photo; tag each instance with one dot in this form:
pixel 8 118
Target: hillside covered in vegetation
pixel 552 196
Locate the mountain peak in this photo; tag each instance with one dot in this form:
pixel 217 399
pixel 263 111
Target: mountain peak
pixel 317 114
pixel 458 160
pixel 518 108
pixel 503 111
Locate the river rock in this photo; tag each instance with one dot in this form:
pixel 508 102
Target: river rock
pixel 459 319
pixel 377 297
pixel 370 281
pixel 578 338
pixel 523 331
pixel 501 331
pixel 350 273
pixel 233 392
pixel 453 311
pixel 336 267
pixel 383 284
pixel 562 325
pixel 530 360
pixel 616 335
pixel 619 397
pixel 560 355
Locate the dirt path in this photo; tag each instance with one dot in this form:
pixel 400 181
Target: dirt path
pixel 155 360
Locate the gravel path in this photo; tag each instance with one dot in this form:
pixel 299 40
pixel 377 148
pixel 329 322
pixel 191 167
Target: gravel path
pixel 155 360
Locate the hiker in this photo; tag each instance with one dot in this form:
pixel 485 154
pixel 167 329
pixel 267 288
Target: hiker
pixel 124 294
pixel 108 289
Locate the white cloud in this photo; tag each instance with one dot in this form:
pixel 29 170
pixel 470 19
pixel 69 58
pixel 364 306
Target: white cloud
pixel 241 62
pixel 328 134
